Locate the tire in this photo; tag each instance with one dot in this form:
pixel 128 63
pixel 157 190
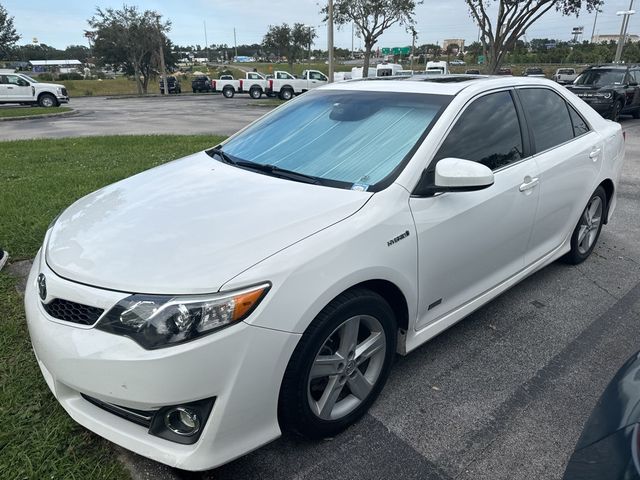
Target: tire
pixel 194 90
pixel 286 94
pixel 615 111
pixel 587 231
pixel 301 408
pixel 255 93
pixel 47 100
pixel 228 92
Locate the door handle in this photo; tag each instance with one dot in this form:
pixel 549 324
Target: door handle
pixel 9 88
pixel 595 153
pixel 529 184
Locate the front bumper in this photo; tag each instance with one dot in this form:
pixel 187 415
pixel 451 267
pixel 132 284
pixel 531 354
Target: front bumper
pixel 62 99
pixel 241 366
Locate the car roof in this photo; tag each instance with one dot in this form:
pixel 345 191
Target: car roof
pixel 438 85
pixel 609 66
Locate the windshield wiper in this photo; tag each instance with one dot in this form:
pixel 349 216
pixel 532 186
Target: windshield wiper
pixel 262 168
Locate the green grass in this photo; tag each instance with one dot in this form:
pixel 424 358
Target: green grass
pixel 117 86
pixel 38 440
pixel 13 112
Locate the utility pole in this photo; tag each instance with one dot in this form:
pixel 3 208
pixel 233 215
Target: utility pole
pixel 163 70
pixel 352 52
pixel 330 39
pixel 235 42
pixel 206 42
pixel 623 31
pixel 595 21
pixel 413 44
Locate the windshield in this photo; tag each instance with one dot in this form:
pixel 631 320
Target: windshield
pixel 352 139
pixel 28 78
pixel 601 77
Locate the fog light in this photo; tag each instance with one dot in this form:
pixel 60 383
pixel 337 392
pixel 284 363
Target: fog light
pixel 182 421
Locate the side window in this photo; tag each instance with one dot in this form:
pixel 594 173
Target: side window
pixel 635 74
pixel 548 117
pixel 315 76
pixel 488 132
pixel 12 79
pixel 580 127
pixel 3 79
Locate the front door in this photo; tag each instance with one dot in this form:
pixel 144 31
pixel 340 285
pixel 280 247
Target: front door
pixel 18 89
pixel 469 242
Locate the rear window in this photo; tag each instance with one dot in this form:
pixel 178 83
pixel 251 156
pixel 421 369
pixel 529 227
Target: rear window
pixel 548 117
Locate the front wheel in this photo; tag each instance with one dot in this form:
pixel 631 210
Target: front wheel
pixel 587 231
pixel 339 366
pixel 47 100
pixel 228 92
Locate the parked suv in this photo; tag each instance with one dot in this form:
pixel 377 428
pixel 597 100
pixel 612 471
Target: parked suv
pixel 20 88
pixel 173 85
pixel 201 83
pixel 611 90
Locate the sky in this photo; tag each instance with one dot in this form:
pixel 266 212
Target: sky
pixel 436 20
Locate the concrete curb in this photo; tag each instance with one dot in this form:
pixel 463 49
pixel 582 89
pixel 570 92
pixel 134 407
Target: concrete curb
pixel 44 115
pixel 157 95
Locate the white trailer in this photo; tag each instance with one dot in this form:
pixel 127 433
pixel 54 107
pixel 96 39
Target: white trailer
pixel 437 68
pixel 356 72
pixel 388 69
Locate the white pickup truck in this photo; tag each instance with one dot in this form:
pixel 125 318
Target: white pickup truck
pixel 286 86
pixel 437 68
pixel 254 84
pixel 565 76
pixel 20 88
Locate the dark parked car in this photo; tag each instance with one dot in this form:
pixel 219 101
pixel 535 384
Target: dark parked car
pixel 173 85
pixel 472 71
pixel 504 71
pixel 611 90
pixel 609 447
pixel 201 83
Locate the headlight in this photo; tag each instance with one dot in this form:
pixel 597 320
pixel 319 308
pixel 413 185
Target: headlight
pixel 605 95
pixel 156 321
pixel 59 90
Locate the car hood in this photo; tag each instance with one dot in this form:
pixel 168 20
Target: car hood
pixel 48 85
pixel 591 88
pixel 188 226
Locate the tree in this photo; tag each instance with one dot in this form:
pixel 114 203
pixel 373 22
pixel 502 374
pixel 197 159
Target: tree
pixel 131 39
pixel 514 19
pixel 290 42
pixel 372 18
pixel 8 34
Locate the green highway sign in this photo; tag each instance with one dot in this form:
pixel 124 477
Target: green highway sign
pixel 396 51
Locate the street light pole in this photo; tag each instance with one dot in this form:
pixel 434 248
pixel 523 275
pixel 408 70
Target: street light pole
pixel 595 21
pixel 330 38
pixel 163 71
pixel 623 31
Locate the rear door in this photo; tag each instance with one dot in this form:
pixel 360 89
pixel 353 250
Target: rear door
pixel 569 156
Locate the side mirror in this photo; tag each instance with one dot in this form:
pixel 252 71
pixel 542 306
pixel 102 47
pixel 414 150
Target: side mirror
pixel 454 175
pixel 633 84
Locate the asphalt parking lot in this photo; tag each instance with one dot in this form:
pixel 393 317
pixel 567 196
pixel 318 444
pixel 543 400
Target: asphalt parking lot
pixel 184 114
pixel 502 395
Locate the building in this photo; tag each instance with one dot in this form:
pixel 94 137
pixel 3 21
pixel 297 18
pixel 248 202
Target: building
pixel 614 38
pixel 453 41
pixel 61 66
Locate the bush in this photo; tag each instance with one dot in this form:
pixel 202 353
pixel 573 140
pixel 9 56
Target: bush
pixel 70 76
pixel 47 77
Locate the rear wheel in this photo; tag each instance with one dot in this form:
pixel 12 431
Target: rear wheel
pixel 255 93
pixel 47 100
pixel 339 366
pixel 587 231
pixel 615 111
pixel 228 92
pixel 286 94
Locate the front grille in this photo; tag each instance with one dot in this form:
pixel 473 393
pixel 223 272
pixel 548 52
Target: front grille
pixel 72 312
pixel 64 92
pixel 141 417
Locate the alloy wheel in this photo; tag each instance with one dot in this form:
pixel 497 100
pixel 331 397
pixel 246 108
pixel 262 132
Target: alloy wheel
pixel 347 367
pixel 589 225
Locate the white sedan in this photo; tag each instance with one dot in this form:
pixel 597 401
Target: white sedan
pixel 193 312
